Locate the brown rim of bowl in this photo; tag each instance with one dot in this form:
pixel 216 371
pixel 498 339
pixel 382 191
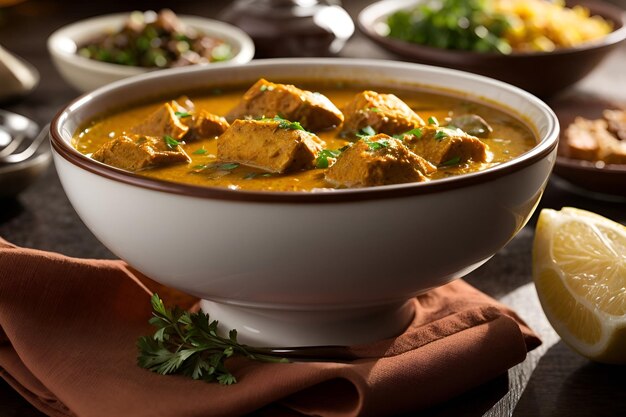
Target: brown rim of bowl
pixel 606 10
pixel 542 149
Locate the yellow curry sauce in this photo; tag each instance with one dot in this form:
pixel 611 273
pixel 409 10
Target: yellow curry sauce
pixel 510 138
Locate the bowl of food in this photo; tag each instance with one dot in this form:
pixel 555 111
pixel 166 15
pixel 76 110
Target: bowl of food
pixel 299 223
pixel 99 50
pixel 538 45
pixel 592 152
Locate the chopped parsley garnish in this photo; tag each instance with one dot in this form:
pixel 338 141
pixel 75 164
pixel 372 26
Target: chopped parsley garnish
pixel 170 142
pixel 417 132
pixel 267 88
pixel 182 114
pixel 252 175
pixel 374 146
pixel 440 135
pixel 284 123
pixel 322 158
pixel 374 109
pixel 366 132
pixel 200 151
pixel 432 120
pixel 228 166
pixel 450 162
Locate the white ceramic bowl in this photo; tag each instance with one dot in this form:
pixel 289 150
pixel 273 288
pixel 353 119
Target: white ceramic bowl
pixel 86 74
pixel 288 268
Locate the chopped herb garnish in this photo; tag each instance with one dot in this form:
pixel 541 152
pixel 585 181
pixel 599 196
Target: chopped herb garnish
pixel 322 158
pixel 189 344
pixel 228 166
pixel 200 151
pixel 380 144
pixel 417 132
pixel 441 134
pixel 171 142
pixel 182 114
pixel 374 109
pixel 366 132
pixel 432 120
pixel 284 123
pixel 267 88
pixel 451 162
pixel 252 175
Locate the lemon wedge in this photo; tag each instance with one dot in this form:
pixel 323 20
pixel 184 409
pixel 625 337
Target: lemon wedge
pixel 579 269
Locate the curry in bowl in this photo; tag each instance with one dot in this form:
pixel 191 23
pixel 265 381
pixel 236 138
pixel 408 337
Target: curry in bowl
pixel 316 136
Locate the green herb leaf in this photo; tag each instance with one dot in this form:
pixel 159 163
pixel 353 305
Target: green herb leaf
pixel 284 123
pixel 182 114
pixel 451 162
pixel 366 132
pixel 432 120
pixel 200 151
pixel 417 132
pixel 374 109
pixel 440 135
pixel 322 158
pixel 380 144
pixel 171 142
pixel 228 166
pixel 189 344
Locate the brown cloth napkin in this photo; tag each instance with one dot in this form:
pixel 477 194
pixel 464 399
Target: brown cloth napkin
pixel 68 332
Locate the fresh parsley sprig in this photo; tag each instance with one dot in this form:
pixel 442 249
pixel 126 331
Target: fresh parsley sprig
pixel 189 344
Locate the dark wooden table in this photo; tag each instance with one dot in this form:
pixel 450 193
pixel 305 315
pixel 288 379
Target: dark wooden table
pixel 552 381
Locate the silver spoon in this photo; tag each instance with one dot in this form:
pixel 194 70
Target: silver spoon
pixel 23 154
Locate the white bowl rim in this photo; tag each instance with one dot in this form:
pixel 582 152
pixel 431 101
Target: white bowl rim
pixel 213 27
pixel 382 8
pixel 546 145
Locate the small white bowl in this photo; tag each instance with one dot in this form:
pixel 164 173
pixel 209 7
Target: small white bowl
pixel 306 268
pixel 86 74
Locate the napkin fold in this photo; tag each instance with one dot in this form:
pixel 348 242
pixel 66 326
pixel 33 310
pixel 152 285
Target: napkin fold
pixel 68 332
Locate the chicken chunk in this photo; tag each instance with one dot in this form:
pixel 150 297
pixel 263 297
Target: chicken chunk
pixel 269 144
pixel 385 113
pixel 446 146
pixel 136 152
pixel 203 124
pixel 266 99
pixel 162 122
pixel 378 160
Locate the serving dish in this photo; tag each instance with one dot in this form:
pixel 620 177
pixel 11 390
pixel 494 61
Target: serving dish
pixel 86 74
pixel 593 177
pixel 541 73
pixel 317 268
